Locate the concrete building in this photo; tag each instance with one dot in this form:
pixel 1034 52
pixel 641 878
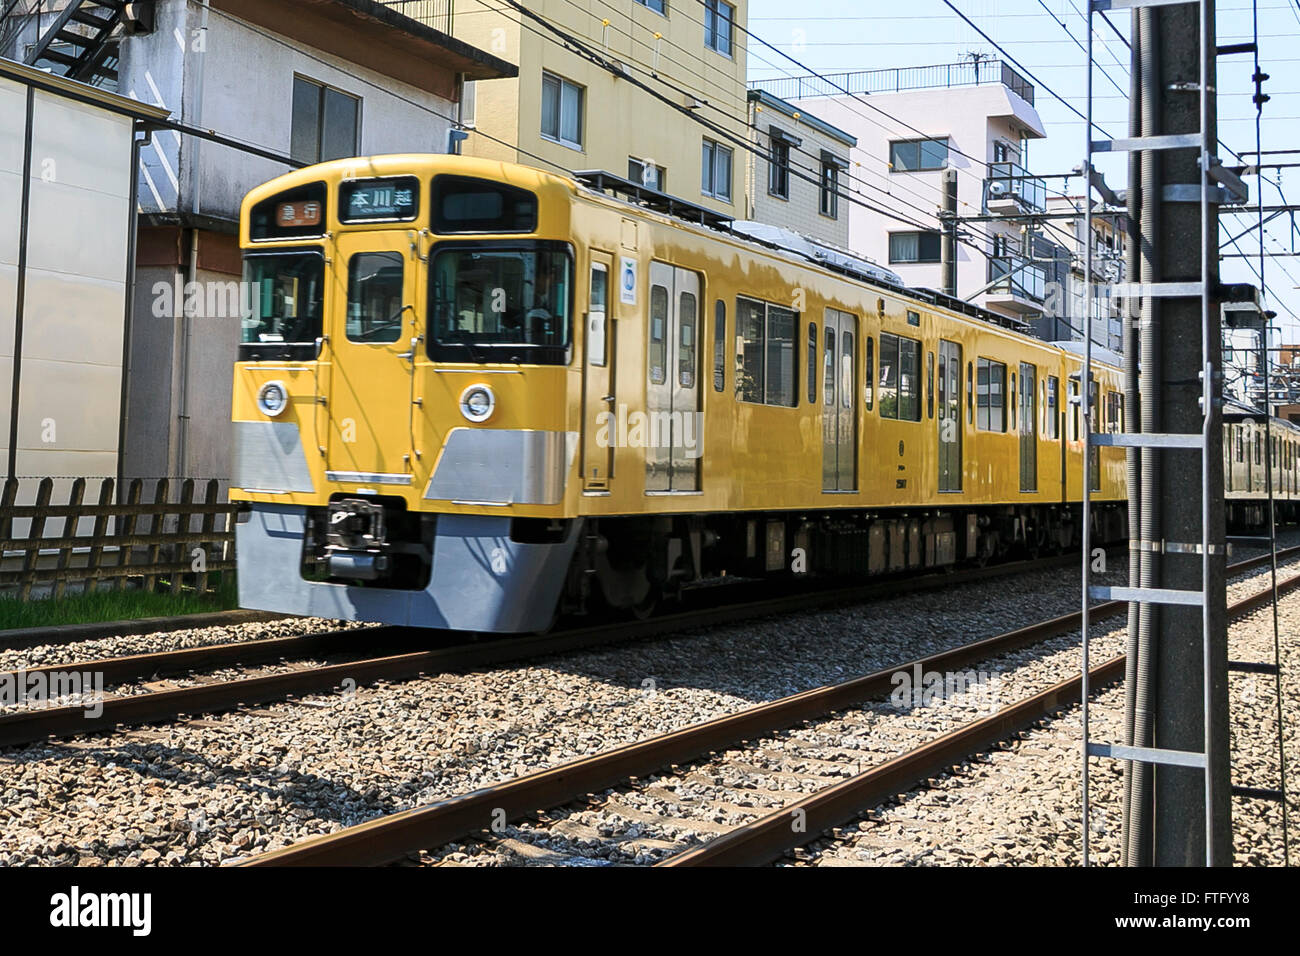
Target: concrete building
pixel 300 81
pixel 563 112
pixel 798 185
pixel 977 119
pixel 1110 243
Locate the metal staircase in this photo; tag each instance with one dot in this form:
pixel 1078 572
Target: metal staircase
pixel 77 40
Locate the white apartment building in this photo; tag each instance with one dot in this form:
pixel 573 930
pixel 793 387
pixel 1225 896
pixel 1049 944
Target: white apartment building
pixel 911 126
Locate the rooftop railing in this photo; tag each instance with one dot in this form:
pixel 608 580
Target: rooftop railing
pixel 900 79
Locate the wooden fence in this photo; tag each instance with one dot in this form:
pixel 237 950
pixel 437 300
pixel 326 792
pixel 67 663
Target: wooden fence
pixel 164 543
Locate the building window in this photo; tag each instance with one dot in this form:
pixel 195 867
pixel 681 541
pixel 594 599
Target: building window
pixel 830 185
pixel 718 18
pixel 562 111
pixel 778 168
pixel 658 6
pixel 647 174
pixel 914 247
pixel 991 392
pixel 765 353
pixel 715 178
pixel 900 378
pixel 325 122
pixel 918 155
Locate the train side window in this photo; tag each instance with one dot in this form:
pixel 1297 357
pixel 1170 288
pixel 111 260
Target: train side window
pixel 991 396
pixel 847 360
pixel 828 369
pixel 375 297
pixel 596 316
pixel 909 380
pixel 929 385
pixel 766 343
pixel 686 347
pixel 970 393
pixel 1259 448
pixel 719 346
pixel 1053 420
pixel 812 360
pixel 1074 411
pixel 1010 406
pixel 869 376
pixel 658 334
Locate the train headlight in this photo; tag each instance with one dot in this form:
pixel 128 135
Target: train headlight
pixel 477 403
pixel 273 398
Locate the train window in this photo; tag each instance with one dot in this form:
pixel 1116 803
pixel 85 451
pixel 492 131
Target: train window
pixel 510 301
pixel 658 334
pixel 1074 410
pixel 828 369
pixel 929 385
pixel 465 204
pixel 1052 412
pixel 1011 412
pixel 285 319
pixel 846 365
pixel 597 316
pixel 869 377
pixel 812 361
pixel 719 346
pixel 780 372
pixel 992 396
pixel 970 393
pixel 686 347
pixel 1259 448
pixel 913 318
pixel 376 297
pixel 765 353
pixel 900 378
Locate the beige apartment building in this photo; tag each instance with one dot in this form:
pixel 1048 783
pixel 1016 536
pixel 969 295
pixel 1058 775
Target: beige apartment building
pixel 568 113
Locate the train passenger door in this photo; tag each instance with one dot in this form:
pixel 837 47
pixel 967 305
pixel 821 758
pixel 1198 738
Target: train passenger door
pixel 839 410
pixel 600 416
pixel 1028 428
pixel 673 438
pixel 374 341
pixel 950 430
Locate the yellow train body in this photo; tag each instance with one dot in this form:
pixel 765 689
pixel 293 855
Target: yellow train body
pixel 700 374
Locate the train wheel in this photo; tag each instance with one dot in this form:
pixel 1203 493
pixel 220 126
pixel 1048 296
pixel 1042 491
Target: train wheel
pixel 645 609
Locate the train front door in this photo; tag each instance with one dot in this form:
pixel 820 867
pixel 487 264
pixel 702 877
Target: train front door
pixel 374 338
pixel 950 429
pixel 600 425
pixel 672 431
pixel 839 408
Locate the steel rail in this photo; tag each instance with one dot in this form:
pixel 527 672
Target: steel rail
pixel 35 724
pixel 767 838
pixel 390 838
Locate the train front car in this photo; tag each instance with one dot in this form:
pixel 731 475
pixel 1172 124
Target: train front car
pixel 402 445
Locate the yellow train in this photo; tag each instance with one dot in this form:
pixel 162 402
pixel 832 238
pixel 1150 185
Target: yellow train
pixel 472 395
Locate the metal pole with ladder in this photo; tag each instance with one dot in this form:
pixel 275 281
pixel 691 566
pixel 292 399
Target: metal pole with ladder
pixel 1181 740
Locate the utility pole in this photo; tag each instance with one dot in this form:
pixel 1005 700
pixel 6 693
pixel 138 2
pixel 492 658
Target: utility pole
pixel 1167 821
pixel 948 250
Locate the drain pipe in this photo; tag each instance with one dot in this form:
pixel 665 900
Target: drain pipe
pixel 187 320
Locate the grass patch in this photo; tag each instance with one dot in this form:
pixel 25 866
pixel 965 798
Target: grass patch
pixel 101 606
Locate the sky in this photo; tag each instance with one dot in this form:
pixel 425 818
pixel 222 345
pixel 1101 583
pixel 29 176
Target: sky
pixel 839 35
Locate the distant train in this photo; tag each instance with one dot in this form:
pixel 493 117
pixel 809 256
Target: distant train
pixel 474 395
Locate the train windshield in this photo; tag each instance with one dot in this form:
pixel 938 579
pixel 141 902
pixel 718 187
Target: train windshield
pixel 282 305
pixel 502 302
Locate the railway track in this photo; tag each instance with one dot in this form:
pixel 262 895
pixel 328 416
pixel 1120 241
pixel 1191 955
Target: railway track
pixel 470 816
pixel 470 651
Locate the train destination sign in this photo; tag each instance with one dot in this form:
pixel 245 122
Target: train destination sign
pixel 379 200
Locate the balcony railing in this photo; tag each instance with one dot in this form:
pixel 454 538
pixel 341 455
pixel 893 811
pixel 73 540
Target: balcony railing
pixel 1013 181
pixel 1021 278
pixel 899 79
pixel 432 13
